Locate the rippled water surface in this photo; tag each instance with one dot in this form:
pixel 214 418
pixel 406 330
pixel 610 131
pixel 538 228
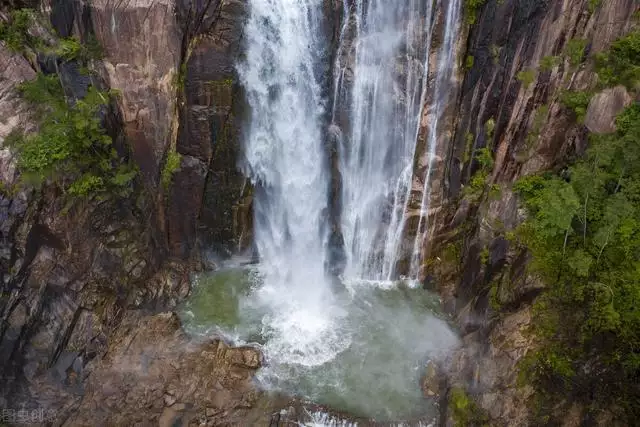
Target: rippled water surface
pixel 386 331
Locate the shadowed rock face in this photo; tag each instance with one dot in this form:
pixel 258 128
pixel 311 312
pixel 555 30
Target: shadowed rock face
pixel 219 204
pixel 72 275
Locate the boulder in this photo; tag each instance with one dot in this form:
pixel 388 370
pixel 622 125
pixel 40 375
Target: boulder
pixel 604 107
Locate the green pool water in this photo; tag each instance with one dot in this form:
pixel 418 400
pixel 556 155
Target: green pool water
pixel 390 331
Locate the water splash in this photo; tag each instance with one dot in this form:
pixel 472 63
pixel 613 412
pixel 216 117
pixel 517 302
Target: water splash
pixel 284 152
pixel 384 99
pixel 380 81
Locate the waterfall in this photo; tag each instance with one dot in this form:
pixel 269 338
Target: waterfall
pixel 439 100
pixel 284 153
pixel 318 340
pixel 384 100
pixel 390 54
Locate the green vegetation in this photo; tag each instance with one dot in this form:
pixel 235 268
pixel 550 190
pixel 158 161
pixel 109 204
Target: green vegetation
pixel 489 127
pixel 15 33
pixel 71 48
pixel 584 234
pixel 526 77
pixel 593 5
pixel 70 149
pixel 179 77
pixel 478 184
pixel 464 411
pixel 468 146
pixel 484 255
pixel 471 8
pixel 495 301
pixel 171 165
pixel 548 63
pixel 621 64
pixel 577 101
pixel 468 64
pixel 574 51
pixel 494 51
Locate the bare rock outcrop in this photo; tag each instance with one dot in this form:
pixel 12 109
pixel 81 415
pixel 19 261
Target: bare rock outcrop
pixel 604 107
pixel 155 375
pixel 142 45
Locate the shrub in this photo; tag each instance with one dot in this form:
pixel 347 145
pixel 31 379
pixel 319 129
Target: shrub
pixel 15 33
pixel 593 5
pixel 70 148
pixel 471 8
pixel 464 411
pixel 489 127
pixel 468 146
pixel 526 77
pixel 576 101
pixel 548 63
pixel 583 230
pixel 494 51
pixel 574 50
pixel 621 63
pixel 171 165
pixel 468 64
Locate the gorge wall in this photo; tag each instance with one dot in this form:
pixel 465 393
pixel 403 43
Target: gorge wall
pixel 83 284
pixel 510 102
pixel 77 273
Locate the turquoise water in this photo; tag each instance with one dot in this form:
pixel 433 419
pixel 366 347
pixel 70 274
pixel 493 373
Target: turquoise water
pixel 391 331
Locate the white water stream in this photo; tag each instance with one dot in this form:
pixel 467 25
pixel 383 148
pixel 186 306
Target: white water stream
pixel 312 332
pixel 285 159
pixel 384 102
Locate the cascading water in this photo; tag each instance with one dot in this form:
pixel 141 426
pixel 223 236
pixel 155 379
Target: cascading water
pixel 441 90
pixel 384 99
pixel 356 347
pixel 284 157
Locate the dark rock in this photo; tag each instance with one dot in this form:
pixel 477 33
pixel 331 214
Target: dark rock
pixel 184 207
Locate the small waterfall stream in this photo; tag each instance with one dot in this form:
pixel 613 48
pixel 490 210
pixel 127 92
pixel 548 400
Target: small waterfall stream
pixel 390 51
pixel 438 102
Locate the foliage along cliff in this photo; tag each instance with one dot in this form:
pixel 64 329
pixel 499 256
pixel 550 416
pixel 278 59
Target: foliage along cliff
pixel 108 112
pixel 536 244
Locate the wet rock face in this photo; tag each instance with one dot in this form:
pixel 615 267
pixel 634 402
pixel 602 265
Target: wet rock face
pixel 80 280
pixel 492 89
pixel 68 270
pixel 71 278
pixel 210 116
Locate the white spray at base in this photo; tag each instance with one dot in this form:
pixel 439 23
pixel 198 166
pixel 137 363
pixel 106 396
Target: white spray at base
pixel 306 325
pixel 284 158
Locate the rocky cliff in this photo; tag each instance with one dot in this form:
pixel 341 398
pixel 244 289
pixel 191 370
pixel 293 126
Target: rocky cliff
pixel 518 58
pixel 82 274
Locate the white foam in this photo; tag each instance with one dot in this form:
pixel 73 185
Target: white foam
pixel 286 158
